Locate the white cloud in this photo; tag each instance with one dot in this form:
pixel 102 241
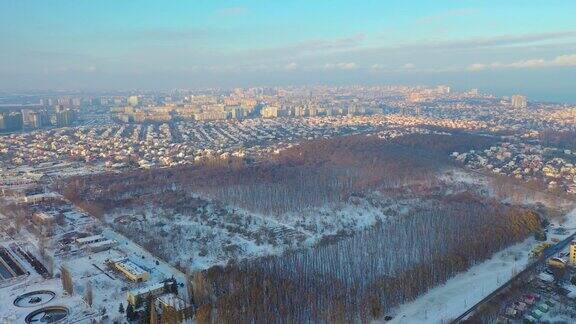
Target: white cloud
pixel 407 66
pixel 563 60
pixel 291 66
pixel 476 67
pixel 481 66
pixel 340 66
pixel 347 66
pixel 527 64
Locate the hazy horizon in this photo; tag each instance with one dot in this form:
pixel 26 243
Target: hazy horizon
pixel 500 48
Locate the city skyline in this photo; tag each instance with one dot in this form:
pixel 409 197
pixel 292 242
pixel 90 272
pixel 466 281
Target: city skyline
pixel 503 48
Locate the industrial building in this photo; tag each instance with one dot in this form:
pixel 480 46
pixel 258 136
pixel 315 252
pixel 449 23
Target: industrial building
pixel 101 245
pixel 9 266
pixel 90 240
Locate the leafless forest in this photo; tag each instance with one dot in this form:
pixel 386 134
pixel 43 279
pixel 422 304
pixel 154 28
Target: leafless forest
pixel 364 276
pixel 343 278
pixel 308 175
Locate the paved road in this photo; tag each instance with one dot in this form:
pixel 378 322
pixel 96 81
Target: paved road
pixel 549 252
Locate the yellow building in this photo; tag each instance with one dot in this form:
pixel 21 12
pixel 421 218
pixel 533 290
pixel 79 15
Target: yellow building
pixel 135 297
pixel 131 270
pixel 573 253
pixel 172 309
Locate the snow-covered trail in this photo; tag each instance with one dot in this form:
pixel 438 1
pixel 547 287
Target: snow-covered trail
pixel 442 303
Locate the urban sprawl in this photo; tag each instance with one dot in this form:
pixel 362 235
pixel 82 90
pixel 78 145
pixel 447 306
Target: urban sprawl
pixel 105 275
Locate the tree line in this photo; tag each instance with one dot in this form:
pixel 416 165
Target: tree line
pixel 308 175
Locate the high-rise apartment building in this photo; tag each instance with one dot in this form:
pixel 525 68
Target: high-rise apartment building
pixel 133 101
pixel 519 101
pixel 443 89
pixel 269 112
pixel 65 117
pixel 11 121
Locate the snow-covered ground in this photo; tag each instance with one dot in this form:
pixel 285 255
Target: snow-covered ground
pixel 9 313
pixel 459 293
pixel 216 233
pixel 449 300
pixel 87 269
pixel 109 287
pixel 568 222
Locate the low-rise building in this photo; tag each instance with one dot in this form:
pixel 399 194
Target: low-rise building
pixel 172 309
pixel 90 239
pixel 135 297
pixel 42 218
pixel 101 245
pixel 131 270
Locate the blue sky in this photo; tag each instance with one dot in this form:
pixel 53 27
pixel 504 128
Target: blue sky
pixel 501 46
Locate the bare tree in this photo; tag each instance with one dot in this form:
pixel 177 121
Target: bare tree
pixel 66 278
pixel 89 294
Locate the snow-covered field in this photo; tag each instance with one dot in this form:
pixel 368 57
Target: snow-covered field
pixel 216 234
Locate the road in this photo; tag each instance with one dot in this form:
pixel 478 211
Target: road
pixel 549 252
